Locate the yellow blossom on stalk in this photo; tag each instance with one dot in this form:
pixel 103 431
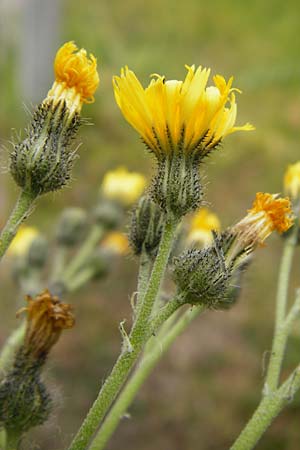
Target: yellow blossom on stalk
pixel 23 240
pixel 116 242
pixel 179 116
pixel 292 180
pixel 201 227
pixel 268 213
pixel 46 318
pixel 123 186
pixel 76 77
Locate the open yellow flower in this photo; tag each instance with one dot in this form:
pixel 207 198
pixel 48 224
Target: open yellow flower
pixel 268 213
pixel 22 241
pixel 179 116
pixel 123 186
pixel 76 77
pixel 201 227
pixel 292 180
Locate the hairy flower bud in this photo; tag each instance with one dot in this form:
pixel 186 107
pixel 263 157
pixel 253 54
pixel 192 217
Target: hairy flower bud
pixel 38 252
pixel 146 227
pixel 42 162
pixel 108 214
pixel 71 226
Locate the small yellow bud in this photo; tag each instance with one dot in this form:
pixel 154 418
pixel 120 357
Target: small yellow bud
pixel 116 243
pixel 292 181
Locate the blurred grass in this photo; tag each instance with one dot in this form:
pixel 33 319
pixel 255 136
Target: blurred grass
pixel 209 384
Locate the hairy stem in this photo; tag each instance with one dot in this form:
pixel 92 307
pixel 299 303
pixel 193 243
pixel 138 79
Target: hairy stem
pixel 19 214
pixel 281 332
pixel 131 347
pixel 142 372
pixel 269 408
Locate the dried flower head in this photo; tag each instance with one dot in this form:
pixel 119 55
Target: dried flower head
pixel 46 318
pixel 123 186
pixel 202 224
pixel 179 116
pixel 76 77
pixel 292 180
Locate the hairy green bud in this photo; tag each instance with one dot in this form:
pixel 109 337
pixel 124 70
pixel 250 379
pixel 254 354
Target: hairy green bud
pixel 146 227
pixel 108 214
pixel 177 186
pixel 43 161
pixel 210 276
pixel 24 400
pixel 71 226
pixel 38 252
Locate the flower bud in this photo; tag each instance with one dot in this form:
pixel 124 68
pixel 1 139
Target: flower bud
pixel 108 214
pixel 71 227
pixel 146 227
pixel 43 161
pixel 177 186
pixel 38 252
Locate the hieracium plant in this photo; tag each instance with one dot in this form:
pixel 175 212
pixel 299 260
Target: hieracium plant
pixel 171 232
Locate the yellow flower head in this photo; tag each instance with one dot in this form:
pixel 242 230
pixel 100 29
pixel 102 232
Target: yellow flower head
pixel 46 318
pixel 292 180
pixel 268 213
pixel 176 116
pixel 76 77
pixel 116 242
pixel 123 186
pixel 22 241
pixel 201 227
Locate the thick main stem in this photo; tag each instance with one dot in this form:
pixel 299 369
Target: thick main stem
pixel 281 332
pixel 130 355
pixel 18 215
pixel 142 372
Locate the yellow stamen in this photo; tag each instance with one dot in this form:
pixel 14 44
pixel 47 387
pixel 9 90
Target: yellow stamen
pixel 76 77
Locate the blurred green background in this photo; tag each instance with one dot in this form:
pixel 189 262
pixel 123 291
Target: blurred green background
pixel 206 388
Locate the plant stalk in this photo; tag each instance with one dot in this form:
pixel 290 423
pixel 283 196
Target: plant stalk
pixel 19 214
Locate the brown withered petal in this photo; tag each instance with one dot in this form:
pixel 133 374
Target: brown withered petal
pixel 47 316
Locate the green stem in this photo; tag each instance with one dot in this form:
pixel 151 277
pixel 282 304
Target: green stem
pixel 59 262
pixel 269 408
pixel 84 252
pixel 10 347
pixel 281 332
pixel 12 440
pixel 81 278
pixel 18 215
pixel 131 347
pixel 2 439
pixel 142 372
pixel 143 277
pixel 164 314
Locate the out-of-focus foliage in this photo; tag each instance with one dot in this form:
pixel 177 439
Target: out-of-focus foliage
pixel 216 367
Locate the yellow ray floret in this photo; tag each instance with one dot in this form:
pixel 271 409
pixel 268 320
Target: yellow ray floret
pixel 173 115
pixel 268 213
pixel 76 76
pixel 123 186
pixel 201 227
pixel 116 242
pixel 292 180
